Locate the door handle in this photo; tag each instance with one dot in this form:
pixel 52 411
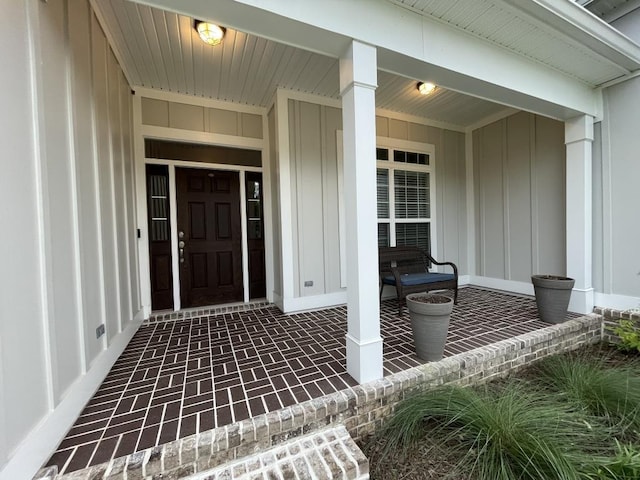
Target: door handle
pixel 181 246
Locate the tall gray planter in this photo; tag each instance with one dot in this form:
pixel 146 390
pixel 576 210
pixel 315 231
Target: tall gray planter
pixel 552 296
pixel 430 314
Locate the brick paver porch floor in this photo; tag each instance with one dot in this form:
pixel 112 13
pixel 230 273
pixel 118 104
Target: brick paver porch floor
pixel 178 378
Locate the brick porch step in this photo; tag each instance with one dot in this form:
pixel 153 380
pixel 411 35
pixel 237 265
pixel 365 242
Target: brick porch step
pixel 327 454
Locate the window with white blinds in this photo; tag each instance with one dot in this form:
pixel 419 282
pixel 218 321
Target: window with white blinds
pixel 404 197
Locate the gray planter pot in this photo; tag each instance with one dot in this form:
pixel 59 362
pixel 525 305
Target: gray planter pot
pixel 552 296
pixel 430 324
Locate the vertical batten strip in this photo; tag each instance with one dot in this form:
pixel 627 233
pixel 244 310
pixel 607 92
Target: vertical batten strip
pixel 75 220
pixel 96 180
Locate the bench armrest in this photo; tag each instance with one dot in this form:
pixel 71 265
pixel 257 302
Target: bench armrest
pixel 451 264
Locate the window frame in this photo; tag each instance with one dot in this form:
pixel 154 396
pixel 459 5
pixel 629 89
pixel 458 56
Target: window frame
pixel 421 148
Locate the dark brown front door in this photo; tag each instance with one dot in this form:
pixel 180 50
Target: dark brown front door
pixel 209 225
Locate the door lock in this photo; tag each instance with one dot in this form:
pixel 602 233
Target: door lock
pixel 181 246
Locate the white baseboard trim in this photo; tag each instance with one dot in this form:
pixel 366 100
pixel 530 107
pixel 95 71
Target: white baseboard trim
pixel 42 441
pixel 523 288
pixel 291 305
pixel 617 302
pixel 140 316
pixel 464 280
pixel 605 300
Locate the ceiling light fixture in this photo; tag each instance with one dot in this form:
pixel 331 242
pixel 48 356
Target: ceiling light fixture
pixel 210 33
pixel 426 88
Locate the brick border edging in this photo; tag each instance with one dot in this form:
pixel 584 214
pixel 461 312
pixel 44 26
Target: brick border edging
pixel 360 409
pixel 190 313
pixel 610 319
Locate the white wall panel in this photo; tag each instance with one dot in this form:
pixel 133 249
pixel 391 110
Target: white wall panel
pixel 314 179
pixel 519 173
pixel 86 179
pixel 59 201
pixel 489 172
pixel 451 213
pixel 105 175
pixel 126 116
pixel 332 121
pixel 518 196
pixel 118 163
pixel 59 186
pixel 550 167
pixel 23 387
pixel 307 162
pixel 621 177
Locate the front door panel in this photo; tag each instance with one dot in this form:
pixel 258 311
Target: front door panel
pixel 209 224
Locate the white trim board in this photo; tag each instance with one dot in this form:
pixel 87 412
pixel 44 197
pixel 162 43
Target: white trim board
pixel 300 304
pixel 604 300
pixel 513 286
pixel 206 138
pixel 38 446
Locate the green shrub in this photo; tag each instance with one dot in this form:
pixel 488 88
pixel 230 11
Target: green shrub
pixel 504 434
pixel 625 465
pixel 612 393
pixel 629 334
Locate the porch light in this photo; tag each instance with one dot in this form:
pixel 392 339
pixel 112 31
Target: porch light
pixel 210 33
pixel 426 88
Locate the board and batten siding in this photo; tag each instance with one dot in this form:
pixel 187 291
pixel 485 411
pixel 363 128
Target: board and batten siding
pixel 198 118
pixel 616 177
pixel 314 186
pixel 519 175
pixel 314 191
pixel 618 222
pixel 68 247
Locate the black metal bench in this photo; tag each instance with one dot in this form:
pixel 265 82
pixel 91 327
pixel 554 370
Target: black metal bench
pixel 407 268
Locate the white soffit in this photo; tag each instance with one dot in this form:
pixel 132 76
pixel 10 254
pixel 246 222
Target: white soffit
pixel 610 10
pixel 556 33
pixel 161 50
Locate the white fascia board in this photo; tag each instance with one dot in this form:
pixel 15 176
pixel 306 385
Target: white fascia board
pixel 584 27
pixel 426 48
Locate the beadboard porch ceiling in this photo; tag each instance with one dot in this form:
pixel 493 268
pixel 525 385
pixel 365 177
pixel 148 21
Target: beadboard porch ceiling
pixel 160 49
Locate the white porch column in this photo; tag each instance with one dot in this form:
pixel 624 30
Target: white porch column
pixel 358 81
pixel 578 134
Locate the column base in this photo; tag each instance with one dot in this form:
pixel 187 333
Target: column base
pixel 582 300
pixel 364 359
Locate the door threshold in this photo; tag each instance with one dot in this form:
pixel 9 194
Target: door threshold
pixel 206 311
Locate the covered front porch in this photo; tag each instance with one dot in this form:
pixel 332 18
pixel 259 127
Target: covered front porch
pixel 182 377
pixel 499 160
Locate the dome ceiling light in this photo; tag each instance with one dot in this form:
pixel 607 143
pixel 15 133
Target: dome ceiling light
pixel 426 88
pixel 210 33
